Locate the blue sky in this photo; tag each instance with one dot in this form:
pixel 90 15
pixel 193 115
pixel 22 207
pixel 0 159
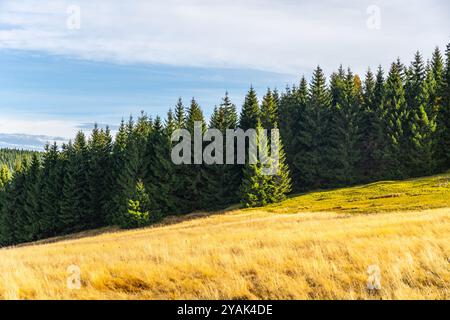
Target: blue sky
pixel 142 55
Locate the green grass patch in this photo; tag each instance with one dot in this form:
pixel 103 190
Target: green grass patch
pixel 413 194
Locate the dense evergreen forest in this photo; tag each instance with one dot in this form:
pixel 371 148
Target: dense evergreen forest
pixel 10 161
pixel 12 158
pixel 336 132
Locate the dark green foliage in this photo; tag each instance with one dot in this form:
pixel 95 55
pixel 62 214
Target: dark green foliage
pixel 160 179
pixel 395 117
pixel 292 117
pixel 310 140
pixel 261 187
pixel 340 133
pixel 100 179
pixel 443 127
pixel 269 111
pixel 370 137
pixel 250 113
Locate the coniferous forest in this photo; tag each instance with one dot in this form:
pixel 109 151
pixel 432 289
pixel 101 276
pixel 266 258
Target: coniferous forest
pixel 338 131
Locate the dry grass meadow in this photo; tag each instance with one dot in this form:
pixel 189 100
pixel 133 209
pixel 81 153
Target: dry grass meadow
pixel 314 246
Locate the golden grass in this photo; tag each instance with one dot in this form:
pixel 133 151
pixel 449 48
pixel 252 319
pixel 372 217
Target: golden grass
pixel 256 254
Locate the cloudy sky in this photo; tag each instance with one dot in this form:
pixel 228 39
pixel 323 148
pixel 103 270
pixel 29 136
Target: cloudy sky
pixel 67 64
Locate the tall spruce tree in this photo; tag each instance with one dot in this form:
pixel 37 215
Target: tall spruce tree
pixel 159 181
pixel 250 113
pixel 99 173
pixel 180 117
pixel 421 124
pixel 443 135
pixel 370 131
pixel 260 187
pixel 52 184
pixel 269 111
pixel 394 120
pixel 196 178
pixel 309 160
pixel 342 153
pixel 291 111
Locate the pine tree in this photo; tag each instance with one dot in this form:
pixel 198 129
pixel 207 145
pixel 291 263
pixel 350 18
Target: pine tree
pixel 170 123
pixel 52 184
pixel 159 181
pixel 443 134
pixel 250 113
pixel 99 173
pixel 30 227
pixel 195 179
pixel 342 135
pixel 309 160
pixel 69 216
pixel 269 111
pixel 394 119
pixel 421 125
pixel 370 131
pixel 437 74
pixel 180 117
pixel 224 178
pixel 5 176
pixel 127 169
pixel 12 215
pixel 139 214
pixel 260 187
pixel 291 116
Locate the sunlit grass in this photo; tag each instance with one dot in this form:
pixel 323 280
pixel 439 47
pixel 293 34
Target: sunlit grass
pixel 304 248
pixel 413 194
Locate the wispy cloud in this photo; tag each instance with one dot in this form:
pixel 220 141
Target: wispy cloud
pixel 27 142
pixel 283 36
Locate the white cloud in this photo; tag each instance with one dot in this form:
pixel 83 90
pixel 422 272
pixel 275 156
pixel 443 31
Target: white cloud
pixel 34 134
pixel 283 36
pixel 55 128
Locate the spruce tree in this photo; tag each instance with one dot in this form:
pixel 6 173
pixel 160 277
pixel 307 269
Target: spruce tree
pixel 309 160
pixel 195 183
pixel 52 184
pixel 342 133
pixel 227 178
pixel 159 181
pixel 394 119
pixel 443 134
pixel 292 108
pixel 180 117
pixel 99 173
pixel 370 131
pixel 5 176
pixel 260 187
pixel 269 111
pixel 250 113
pixel 421 124
pixel 31 225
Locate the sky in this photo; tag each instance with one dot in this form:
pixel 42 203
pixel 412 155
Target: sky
pixel 67 64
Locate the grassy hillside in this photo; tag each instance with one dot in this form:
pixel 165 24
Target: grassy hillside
pixel 314 246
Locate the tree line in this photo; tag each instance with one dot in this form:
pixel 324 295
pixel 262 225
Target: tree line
pixel 336 132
